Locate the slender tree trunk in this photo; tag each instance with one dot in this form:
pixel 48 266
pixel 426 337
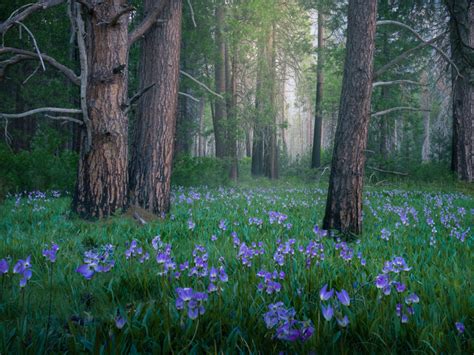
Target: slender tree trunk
pixel 318 114
pixel 220 108
pixel 231 102
pixel 152 149
pixel 101 187
pixel 344 202
pixel 258 129
pixel 462 53
pixel 425 104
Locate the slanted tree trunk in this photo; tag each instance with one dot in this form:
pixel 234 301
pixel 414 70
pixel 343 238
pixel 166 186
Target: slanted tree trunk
pixel 101 187
pixel 344 201
pixel 318 113
pixel 461 26
pixel 152 149
pixel 220 108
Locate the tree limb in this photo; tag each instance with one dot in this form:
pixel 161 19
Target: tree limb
pixel 417 35
pixel 404 55
pixel 35 44
pixel 396 82
pixel 398 108
pixel 114 20
pixel 18 16
pixel 27 55
pixel 201 84
pixel 136 97
pixel 147 23
pixel 188 96
pixel 40 110
pixel 387 171
pixel 192 13
pixel 65 118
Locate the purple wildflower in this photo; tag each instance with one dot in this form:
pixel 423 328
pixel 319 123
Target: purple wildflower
pixel 51 253
pixel 460 327
pixel 328 312
pixel 343 297
pixel 4 266
pixel 324 294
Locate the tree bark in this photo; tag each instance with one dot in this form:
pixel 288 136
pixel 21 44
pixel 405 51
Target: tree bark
pixel 231 103
pixel 101 187
pixel 220 108
pixel 258 134
pixel 318 114
pixel 461 27
pixel 344 202
pixel 425 105
pixel 152 149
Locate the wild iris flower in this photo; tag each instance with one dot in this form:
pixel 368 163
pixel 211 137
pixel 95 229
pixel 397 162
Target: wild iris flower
pixel 4 266
pixel 50 254
pixel 324 294
pixel 288 328
pixel 97 261
pixel 192 299
pixel 23 267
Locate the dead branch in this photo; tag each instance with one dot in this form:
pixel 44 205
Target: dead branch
pixel 147 23
pixel 65 118
pixel 114 20
pixel 27 55
pixel 396 82
pixel 404 55
pixel 398 108
pixel 139 219
pixel 40 110
pixel 136 97
pixel 18 16
pixel 192 13
pixel 201 84
pixel 417 35
pixel 387 171
pixel 31 75
pixel 80 31
pixel 35 44
pixel 188 96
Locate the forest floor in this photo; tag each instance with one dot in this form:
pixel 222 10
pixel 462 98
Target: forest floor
pixel 257 265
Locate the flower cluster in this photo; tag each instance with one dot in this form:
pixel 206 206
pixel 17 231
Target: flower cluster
pixel 269 283
pixel 391 278
pixel 23 267
pixel 284 249
pixel 320 233
pixel 215 276
pixel 97 261
pixel 314 250
pixel 192 299
pixel 385 234
pixel 135 251
pixel 256 221
pixel 276 217
pixel 163 256
pixel 200 267
pixel 50 254
pixel 287 328
pixel 246 253
pixel 334 305
pixel 346 252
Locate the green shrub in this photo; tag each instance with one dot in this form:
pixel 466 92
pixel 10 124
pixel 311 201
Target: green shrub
pixel 196 171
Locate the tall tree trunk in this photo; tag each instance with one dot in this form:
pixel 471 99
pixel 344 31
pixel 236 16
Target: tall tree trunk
pixel 318 114
pixel 258 129
pixel 425 105
pixel 231 103
pixel 101 187
pixel 462 42
pixel 152 149
pixel 344 201
pixel 220 109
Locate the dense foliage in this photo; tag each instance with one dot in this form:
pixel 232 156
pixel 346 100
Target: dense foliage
pixel 263 276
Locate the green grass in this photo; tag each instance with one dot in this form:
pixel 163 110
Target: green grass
pixel 83 312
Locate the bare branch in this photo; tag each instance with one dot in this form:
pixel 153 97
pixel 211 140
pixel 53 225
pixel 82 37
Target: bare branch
pixel 192 13
pixel 147 23
pixel 65 118
pixel 396 82
pixel 387 171
pixel 85 3
pixel 18 16
pixel 31 75
pixel 35 44
pixel 417 35
pixel 189 96
pixel 114 20
pixel 80 31
pixel 398 108
pixel 136 97
pixel 404 55
pixel 201 84
pixel 27 55
pixel 40 110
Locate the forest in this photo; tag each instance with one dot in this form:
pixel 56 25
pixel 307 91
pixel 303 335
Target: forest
pixel 236 176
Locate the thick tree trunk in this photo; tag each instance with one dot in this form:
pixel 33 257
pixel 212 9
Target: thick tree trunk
pixel 462 43
pixel 344 202
pixel 318 113
pixel 220 108
pixel 152 149
pixel 258 134
pixel 101 187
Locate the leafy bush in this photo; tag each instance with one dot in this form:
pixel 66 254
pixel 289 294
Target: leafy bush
pixel 197 171
pixel 46 166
